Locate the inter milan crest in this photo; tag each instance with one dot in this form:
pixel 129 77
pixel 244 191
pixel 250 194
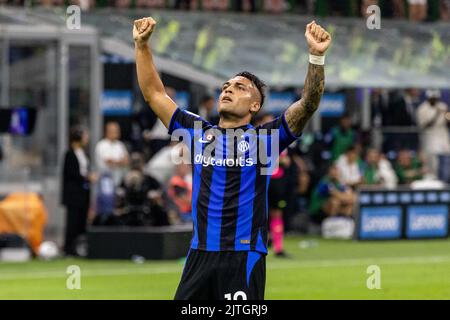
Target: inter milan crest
pixel 243 146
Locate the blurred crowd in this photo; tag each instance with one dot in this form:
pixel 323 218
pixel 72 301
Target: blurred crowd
pixel 138 183
pixel 414 10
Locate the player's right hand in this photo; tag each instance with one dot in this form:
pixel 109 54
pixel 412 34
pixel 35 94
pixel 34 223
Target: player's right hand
pixel 143 29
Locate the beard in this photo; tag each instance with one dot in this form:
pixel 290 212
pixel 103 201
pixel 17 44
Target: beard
pixel 230 111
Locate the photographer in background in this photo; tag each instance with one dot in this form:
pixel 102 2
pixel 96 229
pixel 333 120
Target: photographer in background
pixel 140 197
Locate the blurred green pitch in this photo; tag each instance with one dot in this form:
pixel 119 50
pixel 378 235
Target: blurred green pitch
pixel 330 269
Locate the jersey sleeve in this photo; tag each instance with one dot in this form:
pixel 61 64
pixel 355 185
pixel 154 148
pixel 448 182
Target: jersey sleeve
pixel 285 135
pixel 182 119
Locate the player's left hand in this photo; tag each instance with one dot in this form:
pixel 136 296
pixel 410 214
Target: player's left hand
pixel 318 39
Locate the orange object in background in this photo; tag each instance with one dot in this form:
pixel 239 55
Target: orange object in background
pixel 24 214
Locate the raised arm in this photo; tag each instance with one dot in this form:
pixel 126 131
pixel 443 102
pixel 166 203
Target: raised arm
pixel 150 83
pixel 298 114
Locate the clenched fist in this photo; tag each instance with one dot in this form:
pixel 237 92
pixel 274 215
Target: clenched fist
pixel 318 39
pixel 143 29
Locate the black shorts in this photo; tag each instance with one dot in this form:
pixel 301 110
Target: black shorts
pixel 223 275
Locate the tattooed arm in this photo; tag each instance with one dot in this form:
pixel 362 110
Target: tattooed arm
pixel 299 113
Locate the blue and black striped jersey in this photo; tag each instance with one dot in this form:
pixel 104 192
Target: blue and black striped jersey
pixel 230 177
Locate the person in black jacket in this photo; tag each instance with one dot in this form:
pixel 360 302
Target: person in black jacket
pixel 76 188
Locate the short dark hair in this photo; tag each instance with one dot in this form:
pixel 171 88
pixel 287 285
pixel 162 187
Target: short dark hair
pixel 257 81
pixel 351 148
pixel 76 134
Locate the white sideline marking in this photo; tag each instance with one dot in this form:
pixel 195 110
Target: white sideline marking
pixel 363 262
pixel 271 265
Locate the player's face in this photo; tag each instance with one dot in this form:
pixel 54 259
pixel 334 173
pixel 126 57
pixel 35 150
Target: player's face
pixel 239 98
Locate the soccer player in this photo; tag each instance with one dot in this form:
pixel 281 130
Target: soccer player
pixel 229 189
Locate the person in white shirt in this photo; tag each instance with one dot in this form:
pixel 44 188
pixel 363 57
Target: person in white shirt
pixel 348 168
pixel 111 155
pixel 433 118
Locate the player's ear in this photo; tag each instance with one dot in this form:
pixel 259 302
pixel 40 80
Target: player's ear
pixel 254 107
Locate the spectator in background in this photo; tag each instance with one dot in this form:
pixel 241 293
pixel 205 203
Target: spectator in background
pixel 150 3
pixel 186 4
pixel 111 154
pixel 349 168
pixel 303 182
pixel 122 4
pixel 398 9
pixel 371 175
pixel 44 3
pixel 304 7
pixel 12 2
pixel 221 5
pixel 379 102
pixel 341 137
pixel 275 6
pixel 402 108
pixel 76 183
pixel 85 5
pixel 401 113
pixel 433 118
pixel 444 9
pixel 417 10
pixel 244 5
pixel 365 4
pixel 378 170
pixel 408 168
pixel 180 191
pixel 331 198
pixel 141 196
